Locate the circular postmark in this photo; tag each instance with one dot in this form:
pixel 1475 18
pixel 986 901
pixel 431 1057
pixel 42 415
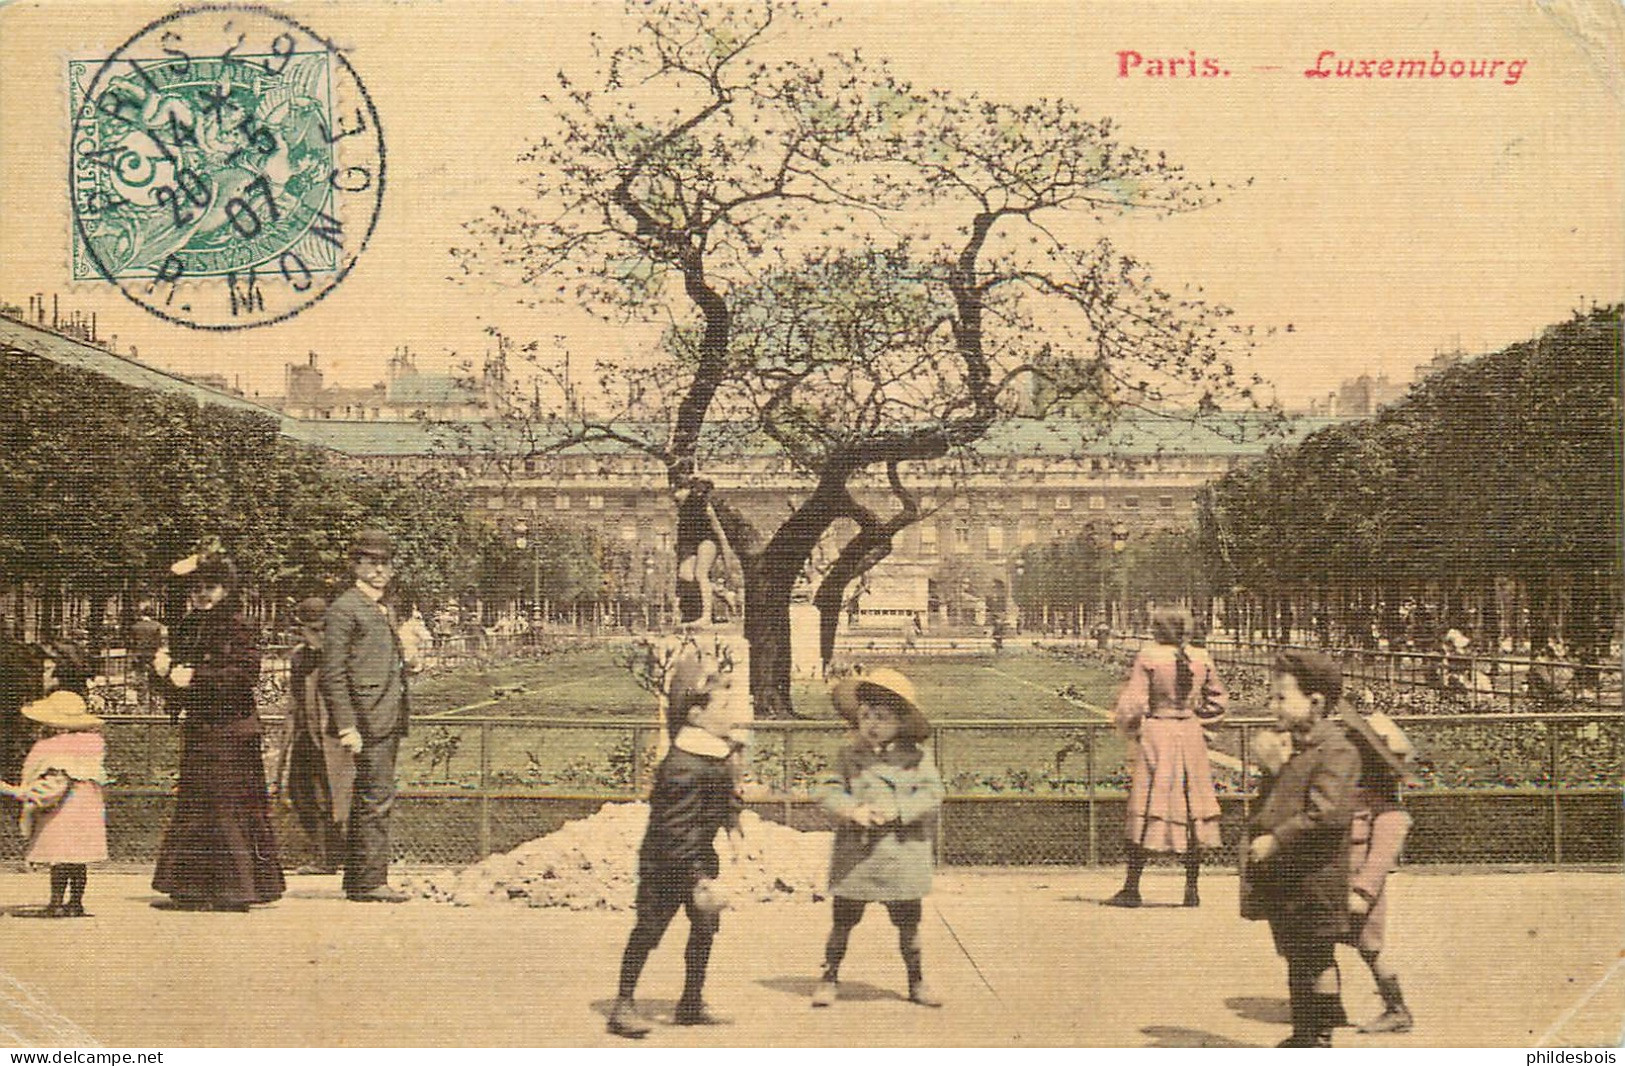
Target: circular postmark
pixel 226 167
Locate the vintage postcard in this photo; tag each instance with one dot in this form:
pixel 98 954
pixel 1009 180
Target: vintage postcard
pixel 851 523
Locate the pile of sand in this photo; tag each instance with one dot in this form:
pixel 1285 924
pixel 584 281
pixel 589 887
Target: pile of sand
pixel 592 863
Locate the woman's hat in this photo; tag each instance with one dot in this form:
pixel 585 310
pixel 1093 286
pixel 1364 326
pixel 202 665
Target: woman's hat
pixel 1380 733
pixel 206 568
pixel 310 611
pixel 61 710
pixel 847 694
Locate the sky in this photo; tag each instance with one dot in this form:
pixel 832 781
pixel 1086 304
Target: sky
pixel 1385 219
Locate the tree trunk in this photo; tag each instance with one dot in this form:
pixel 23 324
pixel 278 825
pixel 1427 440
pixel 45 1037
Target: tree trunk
pixel 767 631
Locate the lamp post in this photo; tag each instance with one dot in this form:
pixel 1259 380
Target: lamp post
pixel 1015 604
pixel 1119 543
pixel 648 590
pixel 521 541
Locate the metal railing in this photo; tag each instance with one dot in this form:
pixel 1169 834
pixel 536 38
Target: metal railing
pixel 1494 787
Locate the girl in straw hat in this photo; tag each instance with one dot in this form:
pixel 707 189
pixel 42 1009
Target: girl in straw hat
pixel 886 794
pixel 63 814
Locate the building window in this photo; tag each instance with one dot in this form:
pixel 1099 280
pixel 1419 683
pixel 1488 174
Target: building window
pixel 595 503
pixel 1165 502
pixel 530 466
pixel 1131 503
pixel 961 503
pixel 528 503
pixel 561 502
pixel 629 531
pixel 1026 535
pixel 928 540
pixel 962 539
pixel 1063 503
pixel 995 540
pixel 1029 501
pixel 1097 502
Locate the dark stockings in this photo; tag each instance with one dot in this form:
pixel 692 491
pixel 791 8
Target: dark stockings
pixel 661 893
pixel 905 915
pixel 1136 867
pixel 68 882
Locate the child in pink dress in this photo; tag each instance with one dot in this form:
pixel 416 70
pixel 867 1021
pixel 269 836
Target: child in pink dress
pixel 1173 691
pixel 63 814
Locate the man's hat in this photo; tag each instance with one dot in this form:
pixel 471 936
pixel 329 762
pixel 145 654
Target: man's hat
pixel 374 543
pixel 848 693
pixel 311 611
pixel 1386 740
pixel 61 710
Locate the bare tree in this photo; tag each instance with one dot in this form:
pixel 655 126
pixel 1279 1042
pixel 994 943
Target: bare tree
pixel 856 273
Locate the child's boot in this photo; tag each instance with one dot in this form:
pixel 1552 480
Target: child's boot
pixel 1129 894
pixel 59 888
pixel 1395 1016
pixel 695 1012
pixel 918 991
pixel 923 994
pixel 1323 1012
pixel 827 991
pixel 625 1020
pixel 1298 998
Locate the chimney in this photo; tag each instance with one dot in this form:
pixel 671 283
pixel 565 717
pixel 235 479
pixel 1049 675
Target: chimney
pixel 53 311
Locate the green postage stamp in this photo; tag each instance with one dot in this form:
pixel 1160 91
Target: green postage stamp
pixel 226 167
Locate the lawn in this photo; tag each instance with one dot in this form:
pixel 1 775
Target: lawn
pixel 589 684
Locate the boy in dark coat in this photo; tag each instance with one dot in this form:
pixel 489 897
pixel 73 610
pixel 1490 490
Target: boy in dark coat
pixel 694 796
pixel 1300 848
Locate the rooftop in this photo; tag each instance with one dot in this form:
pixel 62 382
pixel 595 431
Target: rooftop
pixel 1236 435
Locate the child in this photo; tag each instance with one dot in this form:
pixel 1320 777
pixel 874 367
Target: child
pixel 1172 694
pixel 886 795
pixel 317 772
pixel 1379 830
pixel 1298 860
pixel 61 788
pixel 693 797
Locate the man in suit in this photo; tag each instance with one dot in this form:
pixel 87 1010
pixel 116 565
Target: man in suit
pixel 363 679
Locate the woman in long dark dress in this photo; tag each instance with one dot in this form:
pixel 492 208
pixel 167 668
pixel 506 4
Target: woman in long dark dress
pixel 219 852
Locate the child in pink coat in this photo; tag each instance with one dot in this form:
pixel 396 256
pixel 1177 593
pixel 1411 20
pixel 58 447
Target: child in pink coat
pixel 63 816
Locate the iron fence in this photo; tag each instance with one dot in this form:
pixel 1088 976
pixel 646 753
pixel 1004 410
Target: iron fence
pixel 1509 682
pixel 1518 787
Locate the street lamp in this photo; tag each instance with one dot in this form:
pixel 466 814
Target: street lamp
pixel 648 590
pixel 1119 543
pixel 1015 605
pixel 521 541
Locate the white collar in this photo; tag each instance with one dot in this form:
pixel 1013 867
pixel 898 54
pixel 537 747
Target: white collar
pixel 696 741
pixel 375 595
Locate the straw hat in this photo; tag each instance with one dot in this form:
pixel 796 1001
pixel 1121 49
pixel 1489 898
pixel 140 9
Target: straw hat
pixel 1385 739
pixel 847 694
pixel 61 710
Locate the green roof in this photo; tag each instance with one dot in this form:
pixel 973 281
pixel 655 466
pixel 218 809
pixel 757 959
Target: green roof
pixel 1137 433
pixel 18 336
